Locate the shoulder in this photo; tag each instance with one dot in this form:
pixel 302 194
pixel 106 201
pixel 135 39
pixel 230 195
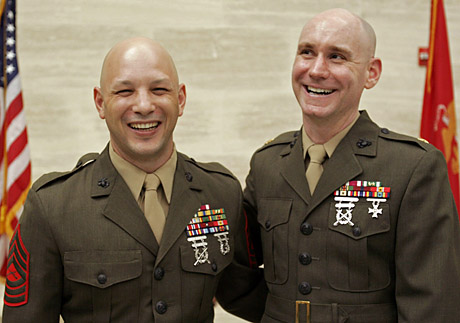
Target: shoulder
pixel 282 140
pixel 369 130
pixel 54 177
pixel 210 168
pixel 398 138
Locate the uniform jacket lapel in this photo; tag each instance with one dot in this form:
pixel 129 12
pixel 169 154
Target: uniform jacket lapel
pixel 121 207
pixel 340 168
pixel 292 166
pixel 184 202
pixel 344 165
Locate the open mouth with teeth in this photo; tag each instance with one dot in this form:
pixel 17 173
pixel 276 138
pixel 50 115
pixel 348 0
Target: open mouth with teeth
pixel 318 91
pixel 144 126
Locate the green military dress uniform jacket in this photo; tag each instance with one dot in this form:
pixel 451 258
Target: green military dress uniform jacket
pixel 395 261
pixel 84 249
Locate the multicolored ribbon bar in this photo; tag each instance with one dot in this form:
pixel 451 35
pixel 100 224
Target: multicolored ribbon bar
pixel 207 221
pixel 363 189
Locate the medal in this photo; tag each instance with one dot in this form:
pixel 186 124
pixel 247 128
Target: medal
pixel 350 193
pixel 344 210
pixel 223 240
pixel 375 210
pixel 202 255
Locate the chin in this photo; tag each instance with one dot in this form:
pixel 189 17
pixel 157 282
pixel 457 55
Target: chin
pixel 314 111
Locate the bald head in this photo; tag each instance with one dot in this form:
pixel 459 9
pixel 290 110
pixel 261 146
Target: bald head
pixel 140 99
pixel 346 20
pixel 135 50
pixel 334 63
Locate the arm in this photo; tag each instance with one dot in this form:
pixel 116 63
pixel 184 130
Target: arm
pixel 427 250
pixel 43 283
pixel 242 290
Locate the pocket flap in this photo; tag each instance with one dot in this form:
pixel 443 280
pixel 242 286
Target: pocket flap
pixel 273 212
pixel 102 268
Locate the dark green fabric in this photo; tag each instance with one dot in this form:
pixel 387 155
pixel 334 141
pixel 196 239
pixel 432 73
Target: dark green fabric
pixel 408 258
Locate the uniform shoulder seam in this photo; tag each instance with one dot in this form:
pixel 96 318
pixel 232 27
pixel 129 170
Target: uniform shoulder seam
pixel 390 135
pixel 282 139
pixel 49 178
pixel 213 167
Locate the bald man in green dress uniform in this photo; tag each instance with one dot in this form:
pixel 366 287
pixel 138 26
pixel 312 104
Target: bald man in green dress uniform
pixel 356 223
pixel 83 248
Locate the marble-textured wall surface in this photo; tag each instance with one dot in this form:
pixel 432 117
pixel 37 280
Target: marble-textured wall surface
pixel 235 57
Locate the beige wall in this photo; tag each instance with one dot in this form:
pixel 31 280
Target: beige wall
pixel 235 57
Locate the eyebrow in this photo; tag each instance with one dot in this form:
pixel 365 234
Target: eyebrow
pixel 154 82
pixel 343 50
pixel 305 45
pixel 339 49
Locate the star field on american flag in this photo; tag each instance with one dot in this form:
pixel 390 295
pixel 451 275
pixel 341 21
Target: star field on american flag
pixel 10 42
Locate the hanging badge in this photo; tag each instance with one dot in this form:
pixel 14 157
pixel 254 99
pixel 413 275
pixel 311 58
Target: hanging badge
pixel 344 210
pixel 375 210
pixel 200 247
pixel 222 237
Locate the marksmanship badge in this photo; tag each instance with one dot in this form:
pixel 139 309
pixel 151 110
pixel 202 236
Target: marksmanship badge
pixel 344 210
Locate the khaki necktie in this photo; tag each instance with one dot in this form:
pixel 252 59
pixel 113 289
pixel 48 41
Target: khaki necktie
pixel 152 207
pixel 317 155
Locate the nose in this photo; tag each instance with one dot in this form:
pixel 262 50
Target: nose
pixel 319 67
pixel 144 103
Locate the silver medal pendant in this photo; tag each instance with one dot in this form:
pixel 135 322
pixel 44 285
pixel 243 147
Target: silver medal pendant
pixel 375 210
pixel 222 237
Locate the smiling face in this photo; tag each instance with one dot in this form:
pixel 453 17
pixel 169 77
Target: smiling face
pixel 333 65
pixel 140 99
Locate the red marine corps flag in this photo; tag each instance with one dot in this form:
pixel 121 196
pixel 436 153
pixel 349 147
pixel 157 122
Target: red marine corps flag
pixel 438 116
pixel 15 165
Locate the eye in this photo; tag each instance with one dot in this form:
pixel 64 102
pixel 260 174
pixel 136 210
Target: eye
pixel 305 52
pixel 124 92
pixel 160 90
pixel 337 56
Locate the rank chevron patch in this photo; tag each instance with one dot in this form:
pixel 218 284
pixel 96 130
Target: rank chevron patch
pixel 17 272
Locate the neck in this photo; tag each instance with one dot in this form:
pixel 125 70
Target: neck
pixel 321 130
pixel 149 164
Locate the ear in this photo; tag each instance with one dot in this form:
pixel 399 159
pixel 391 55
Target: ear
pixel 99 102
pixel 374 72
pixel 182 96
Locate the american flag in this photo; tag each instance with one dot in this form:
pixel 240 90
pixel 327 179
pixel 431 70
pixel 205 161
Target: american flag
pixel 15 170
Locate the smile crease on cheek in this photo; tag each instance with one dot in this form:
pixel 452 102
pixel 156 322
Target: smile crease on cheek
pixel 144 126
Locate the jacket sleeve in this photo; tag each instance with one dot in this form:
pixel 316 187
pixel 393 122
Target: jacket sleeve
pixel 242 290
pixel 427 250
pixel 34 258
pixel 251 211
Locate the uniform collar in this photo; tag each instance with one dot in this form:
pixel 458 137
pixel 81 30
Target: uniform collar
pixel 134 176
pixel 330 145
